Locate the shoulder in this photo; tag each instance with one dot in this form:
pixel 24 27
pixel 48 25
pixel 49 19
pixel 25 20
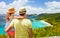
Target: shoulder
pixel 28 20
pixel 14 20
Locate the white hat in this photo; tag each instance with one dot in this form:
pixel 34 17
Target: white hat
pixel 22 10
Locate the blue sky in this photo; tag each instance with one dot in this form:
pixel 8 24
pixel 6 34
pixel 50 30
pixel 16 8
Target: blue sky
pixel 33 6
pixel 35 3
pixel 7 1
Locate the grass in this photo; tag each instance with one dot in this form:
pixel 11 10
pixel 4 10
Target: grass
pixel 3 36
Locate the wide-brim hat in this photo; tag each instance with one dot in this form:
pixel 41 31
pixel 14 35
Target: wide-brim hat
pixel 11 10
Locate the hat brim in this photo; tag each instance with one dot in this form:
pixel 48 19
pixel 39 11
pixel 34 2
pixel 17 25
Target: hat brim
pixel 11 11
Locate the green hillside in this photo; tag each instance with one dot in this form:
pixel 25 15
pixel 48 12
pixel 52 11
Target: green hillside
pixel 53 19
pixel 50 17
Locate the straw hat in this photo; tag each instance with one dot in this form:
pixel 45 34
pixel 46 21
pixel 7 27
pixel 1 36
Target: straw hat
pixel 11 10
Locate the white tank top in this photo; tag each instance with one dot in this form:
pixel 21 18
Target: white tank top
pixel 7 24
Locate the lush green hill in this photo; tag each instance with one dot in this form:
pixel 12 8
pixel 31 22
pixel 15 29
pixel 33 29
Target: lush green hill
pixel 50 17
pixel 54 19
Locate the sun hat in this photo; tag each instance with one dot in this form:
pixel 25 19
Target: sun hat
pixel 11 10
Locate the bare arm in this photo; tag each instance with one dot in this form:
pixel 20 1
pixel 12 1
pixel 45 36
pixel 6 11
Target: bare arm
pixel 31 33
pixel 11 25
pixel 8 28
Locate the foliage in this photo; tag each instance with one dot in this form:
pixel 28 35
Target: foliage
pixel 53 19
pixel 2 36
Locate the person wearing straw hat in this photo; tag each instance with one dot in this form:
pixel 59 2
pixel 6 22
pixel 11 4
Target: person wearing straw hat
pixel 9 17
pixel 23 27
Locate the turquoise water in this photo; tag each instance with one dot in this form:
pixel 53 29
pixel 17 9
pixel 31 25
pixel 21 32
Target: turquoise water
pixel 37 24
pixel 2 31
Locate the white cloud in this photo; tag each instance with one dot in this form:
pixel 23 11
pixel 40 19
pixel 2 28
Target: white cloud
pixel 2 7
pixel 2 4
pixel 17 4
pixel 33 10
pixel 53 4
pixel 51 7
